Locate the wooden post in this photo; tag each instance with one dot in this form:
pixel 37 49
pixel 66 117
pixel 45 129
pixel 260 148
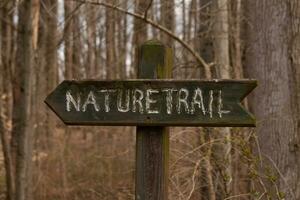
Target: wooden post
pixel 152 143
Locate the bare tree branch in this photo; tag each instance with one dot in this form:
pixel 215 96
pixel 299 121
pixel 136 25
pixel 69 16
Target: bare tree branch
pixel 199 59
pixel 147 9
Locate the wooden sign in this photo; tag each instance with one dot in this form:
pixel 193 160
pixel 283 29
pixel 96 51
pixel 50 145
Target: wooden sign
pixel 152 104
pixel 146 102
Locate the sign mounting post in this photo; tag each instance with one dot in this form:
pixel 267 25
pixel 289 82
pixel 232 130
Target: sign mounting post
pixel 152 143
pixel 152 103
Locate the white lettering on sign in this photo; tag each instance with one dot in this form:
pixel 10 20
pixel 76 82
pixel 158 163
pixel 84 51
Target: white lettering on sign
pixel 107 99
pixel 123 106
pixel 182 100
pixel 150 101
pixel 220 105
pixel 197 100
pixel 169 99
pixel 137 98
pixel 210 105
pixel 90 100
pixel 70 99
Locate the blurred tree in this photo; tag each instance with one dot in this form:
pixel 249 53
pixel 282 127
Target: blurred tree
pixel 51 67
pixel 167 10
pixel 223 71
pixel 140 33
pixel 110 24
pixel 22 122
pixel 68 40
pixel 6 54
pixel 272 57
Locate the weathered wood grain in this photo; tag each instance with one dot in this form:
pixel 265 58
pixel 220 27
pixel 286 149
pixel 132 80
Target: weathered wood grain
pixel 158 114
pixel 152 143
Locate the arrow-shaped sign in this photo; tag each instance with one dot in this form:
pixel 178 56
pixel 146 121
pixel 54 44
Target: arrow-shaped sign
pixel 153 102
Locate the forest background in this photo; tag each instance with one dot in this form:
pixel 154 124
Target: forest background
pixel 43 42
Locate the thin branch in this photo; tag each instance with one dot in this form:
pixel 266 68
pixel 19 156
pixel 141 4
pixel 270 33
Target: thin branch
pixel 199 59
pixel 147 9
pixel 238 196
pixel 281 175
pixel 71 15
pixel 195 149
pixel 193 179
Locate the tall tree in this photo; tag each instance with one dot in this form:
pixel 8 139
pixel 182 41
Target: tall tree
pixel 68 39
pixel 8 43
pixel 139 29
pixel 272 57
pixel 236 43
pixel 22 130
pixel 91 41
pixel 204 47
pixel 222 61
pixel 110 24
pixel 121 26
pixel 240 171
pixel 50 56
pixel 221 39
pixel 6 54
pixel 76 41
pixel 167 19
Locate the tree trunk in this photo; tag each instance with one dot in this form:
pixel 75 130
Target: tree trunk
pixel 110 44
pixel 5 65
pixel 236 21
pixel 5 143
pixel 221 39
pixel 222 62
pixel 204 47
pixel 9 176
pixel 76 42
pixel 167 19
pixel 139 31
pixel 33 91
pixel 273 59
pixel 21 100
pixel 121 53
pixel 91 40
pixel 51 60
pixel 68 39
pixel 205 42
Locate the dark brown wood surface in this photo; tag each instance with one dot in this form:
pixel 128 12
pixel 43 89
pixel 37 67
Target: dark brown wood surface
pixel 152 143
pixel 229 92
